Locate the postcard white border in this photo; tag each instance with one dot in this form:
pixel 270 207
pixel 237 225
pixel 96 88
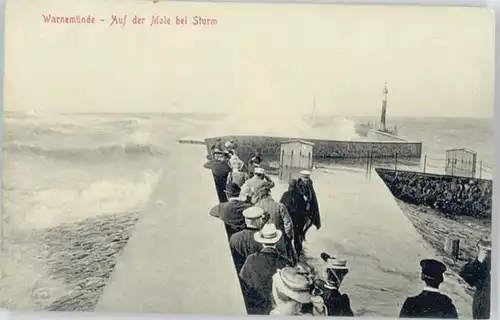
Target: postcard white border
pixel 492 4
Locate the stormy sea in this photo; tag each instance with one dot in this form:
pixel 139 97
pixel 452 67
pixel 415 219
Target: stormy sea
pixel 74 185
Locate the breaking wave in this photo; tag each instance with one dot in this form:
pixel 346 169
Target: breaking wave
pixel 93 136
pixel 333 128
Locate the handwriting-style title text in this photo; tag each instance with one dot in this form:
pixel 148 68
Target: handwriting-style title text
pixel 123 20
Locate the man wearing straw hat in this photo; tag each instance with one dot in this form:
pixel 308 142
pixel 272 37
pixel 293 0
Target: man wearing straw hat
pixel 477 274
pixel 258 270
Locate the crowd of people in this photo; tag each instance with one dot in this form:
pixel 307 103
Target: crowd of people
pixel 456 196
pixel 266 241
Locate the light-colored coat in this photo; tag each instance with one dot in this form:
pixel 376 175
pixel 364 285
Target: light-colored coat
pixel 278 214
pixel 238 177
pixel 252 185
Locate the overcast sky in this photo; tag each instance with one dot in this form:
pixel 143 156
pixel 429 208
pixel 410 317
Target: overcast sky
pixel 264 58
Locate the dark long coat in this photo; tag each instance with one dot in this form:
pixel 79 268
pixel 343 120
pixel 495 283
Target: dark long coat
pixel 232 215
pixel 256 279
pixel 242 245
pixel 477 274
pixel 296 207
pixel 220 171
pixel 429 304
pixel 307 191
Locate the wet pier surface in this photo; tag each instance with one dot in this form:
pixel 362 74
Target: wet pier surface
pixel 361 222
pixel 178 260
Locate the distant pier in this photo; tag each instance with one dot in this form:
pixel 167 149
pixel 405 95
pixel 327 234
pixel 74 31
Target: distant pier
pixel 270 146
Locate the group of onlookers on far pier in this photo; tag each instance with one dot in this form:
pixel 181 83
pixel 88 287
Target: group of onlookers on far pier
pixel 266 238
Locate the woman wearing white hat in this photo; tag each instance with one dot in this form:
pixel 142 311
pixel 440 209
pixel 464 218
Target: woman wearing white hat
pixel 291 291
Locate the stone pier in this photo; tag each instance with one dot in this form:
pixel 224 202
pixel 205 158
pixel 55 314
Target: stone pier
pixel 177 260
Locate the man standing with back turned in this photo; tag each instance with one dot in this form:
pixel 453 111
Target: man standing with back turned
pixel 430 303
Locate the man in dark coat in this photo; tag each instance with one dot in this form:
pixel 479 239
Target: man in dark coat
pixel 307 192
pixel 220 170
pixel 232 213
pixel 243 243
pixel 477 274
pixel 296 207
pixel 258 270
pixel 430 303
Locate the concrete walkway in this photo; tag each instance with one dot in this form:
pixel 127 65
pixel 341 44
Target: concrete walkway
pixel 362 223
pixel 178 259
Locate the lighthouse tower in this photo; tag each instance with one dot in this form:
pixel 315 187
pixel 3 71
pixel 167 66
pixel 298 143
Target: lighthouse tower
pixel 384 108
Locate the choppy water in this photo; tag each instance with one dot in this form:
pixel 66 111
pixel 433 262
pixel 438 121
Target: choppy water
pixel 66 168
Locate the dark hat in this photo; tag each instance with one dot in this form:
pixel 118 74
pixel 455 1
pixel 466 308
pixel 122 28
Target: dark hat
pixel 233 189
pixel 433 269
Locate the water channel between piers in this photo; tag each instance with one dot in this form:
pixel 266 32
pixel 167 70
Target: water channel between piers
pixel 178 261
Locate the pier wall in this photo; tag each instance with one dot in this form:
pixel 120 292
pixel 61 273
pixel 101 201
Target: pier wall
pixel 270 147
pixel 383 136
pixel 448 194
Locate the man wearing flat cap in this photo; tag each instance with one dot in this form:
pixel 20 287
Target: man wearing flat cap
pixel 243 243
pixel 430 303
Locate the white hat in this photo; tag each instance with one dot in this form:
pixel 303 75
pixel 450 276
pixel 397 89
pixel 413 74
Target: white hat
pixel 259 170
pixel 253 213
pixel 305 173
pixel 292 284
pixel 337 264
pixel 268 234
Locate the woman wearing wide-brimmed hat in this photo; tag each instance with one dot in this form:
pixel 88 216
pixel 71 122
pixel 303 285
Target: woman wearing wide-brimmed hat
pixel 291 291
pixel 477 274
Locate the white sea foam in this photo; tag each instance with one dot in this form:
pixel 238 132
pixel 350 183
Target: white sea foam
pixel 73 197
pixel 284 125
